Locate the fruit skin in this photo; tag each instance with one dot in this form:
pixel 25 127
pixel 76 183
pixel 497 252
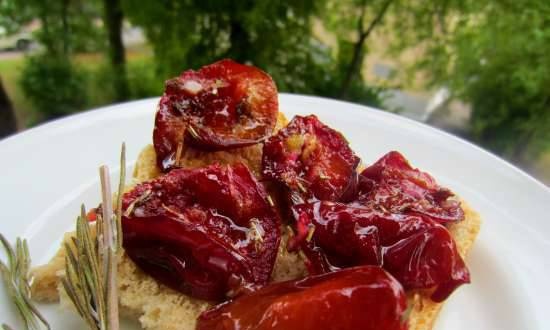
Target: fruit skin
pixel 392 184
pixel 207 232
pixel 364 297
pixel 396 220
pixel 419 252
pixel 221 106
pixel 312 160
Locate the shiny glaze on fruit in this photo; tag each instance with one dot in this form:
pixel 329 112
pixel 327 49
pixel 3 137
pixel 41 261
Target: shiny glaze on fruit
pixel 312 160
pixel 207 232
pixel 221 106
pixel 364 298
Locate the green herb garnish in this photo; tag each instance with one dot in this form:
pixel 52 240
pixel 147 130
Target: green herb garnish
pixel 91 262
pixel 17 277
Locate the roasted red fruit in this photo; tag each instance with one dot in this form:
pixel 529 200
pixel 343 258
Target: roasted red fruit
pixel 391 184
pixel 207 232
pixel 427 259
pixel 418 251
pixel 223 105
pixel 364 298
pixel 92 215
pixel 312 160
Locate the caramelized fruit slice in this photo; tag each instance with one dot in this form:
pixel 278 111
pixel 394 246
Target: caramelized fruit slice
pixel 312 160
pixel 391 184
pixel 418 251
pixel 221 106
pixel 207 232
pixel 364 297
pixel 426 259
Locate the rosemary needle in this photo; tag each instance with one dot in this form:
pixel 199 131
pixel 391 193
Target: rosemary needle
pixel 91 261
pixel 90 265
pixel 16 279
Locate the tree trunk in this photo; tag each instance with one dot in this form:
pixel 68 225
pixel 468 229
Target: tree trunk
pixel 8 124
pixel 65 26
pixel 355 64
pixel 46 38
pixel 357 58
pixel 240 44
pixel 114 18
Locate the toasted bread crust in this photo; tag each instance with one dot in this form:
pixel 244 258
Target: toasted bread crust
pixel 159 307
pixel 423 311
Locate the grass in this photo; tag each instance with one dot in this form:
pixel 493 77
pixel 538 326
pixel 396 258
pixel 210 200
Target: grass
pixel 542 168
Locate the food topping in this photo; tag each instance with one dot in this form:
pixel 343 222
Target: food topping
pixel 364 297
pixel 418 251
pixel 214 232
pixel 221 106
pixel 312 160
pixel 207 232
pixel 392 185
pixel 396 221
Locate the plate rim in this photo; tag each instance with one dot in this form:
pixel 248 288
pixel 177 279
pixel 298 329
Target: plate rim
pixel 144 109
pixel 29 132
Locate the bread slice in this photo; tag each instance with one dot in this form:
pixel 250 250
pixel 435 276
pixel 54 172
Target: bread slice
pixel 158 307
pixel 423 311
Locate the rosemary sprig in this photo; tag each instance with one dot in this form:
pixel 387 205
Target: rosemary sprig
pixel 142 198
pixel 310 232
pixel 270 201
pixel 91 262
pixel 17 278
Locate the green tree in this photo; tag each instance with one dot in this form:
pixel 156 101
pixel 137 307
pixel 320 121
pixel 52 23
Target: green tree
pixel 65 25
pixel 353 21
pixel 49 78
pixel 14 14
pixel 194 33
pixel 276 36
pixel 114 19
pixel 494 55
pixel 54 86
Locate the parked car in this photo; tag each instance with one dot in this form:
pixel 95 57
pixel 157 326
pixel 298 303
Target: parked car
pixel 21 40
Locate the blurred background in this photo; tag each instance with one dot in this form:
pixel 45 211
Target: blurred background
pixel 479 69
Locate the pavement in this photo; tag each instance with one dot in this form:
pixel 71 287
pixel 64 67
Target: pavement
pixel 10 54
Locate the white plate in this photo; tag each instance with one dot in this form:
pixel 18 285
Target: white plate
pixel 48 171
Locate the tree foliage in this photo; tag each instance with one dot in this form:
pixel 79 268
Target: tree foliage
pixel 14 14
pixel 494 55
pixel 353 21
pixel 65 25
pixel 50 79
pixel 55 86
pixel 188 34
pixel 273 35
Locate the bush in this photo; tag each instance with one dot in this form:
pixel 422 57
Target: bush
pixel 143 79
pixel 54 85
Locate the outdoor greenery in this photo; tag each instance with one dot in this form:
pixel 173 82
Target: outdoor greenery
pixel 490 54
pixel 494 55
pixel 54 85
pixel 273 35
